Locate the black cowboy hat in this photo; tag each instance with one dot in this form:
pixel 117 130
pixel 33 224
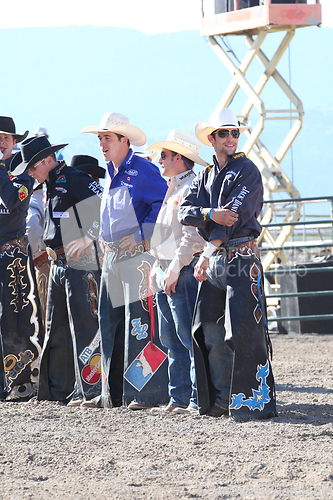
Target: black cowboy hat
pixel 33 149
pixel 7 126
pixel 88 164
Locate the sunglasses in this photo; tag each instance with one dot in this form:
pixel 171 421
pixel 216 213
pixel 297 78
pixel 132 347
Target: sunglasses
pixel 223 133
pixel 34 167
pixel 164 155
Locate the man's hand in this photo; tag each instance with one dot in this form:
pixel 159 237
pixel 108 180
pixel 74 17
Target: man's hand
pixel 201 268
pixel 76 247
pixel 128 243
pixel 224 216
pixel 101 245
pixel 170 281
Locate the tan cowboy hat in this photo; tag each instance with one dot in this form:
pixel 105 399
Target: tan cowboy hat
pixel 118 124
pixel 182 143
pixel 221 118
pixel 145 154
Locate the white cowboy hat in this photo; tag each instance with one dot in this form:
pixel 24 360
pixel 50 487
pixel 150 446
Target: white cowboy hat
pixel 146 154
pixel 182 143
pixel 118 124
pixel 221 118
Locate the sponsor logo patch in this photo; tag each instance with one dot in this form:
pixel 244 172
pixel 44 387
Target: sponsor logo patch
pixel 14 366
pixel 62 178
pixel 92 372
pixel 87 351
pixel 177 199
pixel 132 172
pixel 144 366
pixel 22 193
pixel 61 189
pixel 139 331
pixel 123 183
pixel 61 215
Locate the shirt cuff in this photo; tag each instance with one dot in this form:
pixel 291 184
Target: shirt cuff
pixel 209 249
pixel 175 266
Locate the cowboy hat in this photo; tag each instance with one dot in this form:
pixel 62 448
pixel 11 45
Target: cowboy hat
pixel 7 126
pixel 33 149
pixel 220 118
pixel 118 124
pixel 88 164
pixel 40 131
pixel 143 153
pixel 182 143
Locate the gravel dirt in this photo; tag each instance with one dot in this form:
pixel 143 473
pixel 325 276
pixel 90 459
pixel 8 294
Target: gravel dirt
pixel 50 451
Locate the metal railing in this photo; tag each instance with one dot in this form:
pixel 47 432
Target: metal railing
pixel 301 243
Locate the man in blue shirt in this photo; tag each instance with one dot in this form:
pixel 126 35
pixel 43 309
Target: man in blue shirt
pixel 133 367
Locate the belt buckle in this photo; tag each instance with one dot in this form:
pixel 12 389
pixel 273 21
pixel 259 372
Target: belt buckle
pixel 52 254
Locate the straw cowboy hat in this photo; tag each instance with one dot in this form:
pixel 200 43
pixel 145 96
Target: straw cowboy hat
pixel 223 118
pixel 33 149
pixel 88 164
pixel 182 143
pixel 118 124
pixel 7 126
pixel 40 131
pixel 143 153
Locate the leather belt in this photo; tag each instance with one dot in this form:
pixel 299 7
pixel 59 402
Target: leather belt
pixel 41 259
pixel 242 249
pixel 114 246
pixel 10 245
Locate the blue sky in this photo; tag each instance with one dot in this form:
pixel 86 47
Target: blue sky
pixel 65 77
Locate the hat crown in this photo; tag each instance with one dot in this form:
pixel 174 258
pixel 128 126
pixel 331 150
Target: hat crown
pixel 40 131
pixel 79 160
pixel 223 118
pixel 7 125
pixel 184 139
pixel 111 120
pixel 33 145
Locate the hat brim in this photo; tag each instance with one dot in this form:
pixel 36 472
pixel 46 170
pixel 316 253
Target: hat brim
pixel 135 135
pixel 18 137
pixel 144 154
pixel 177 148
pixel 94 170
pixel 44 153
pixel 203 130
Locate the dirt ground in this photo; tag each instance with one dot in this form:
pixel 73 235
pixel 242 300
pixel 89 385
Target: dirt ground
pixel 50 451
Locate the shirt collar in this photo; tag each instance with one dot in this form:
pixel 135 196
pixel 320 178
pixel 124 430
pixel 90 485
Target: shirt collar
pixel 179 179
pixel 57 170
pixel 126 163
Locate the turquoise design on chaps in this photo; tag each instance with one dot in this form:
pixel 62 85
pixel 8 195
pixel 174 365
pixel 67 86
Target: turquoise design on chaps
pixel 260 397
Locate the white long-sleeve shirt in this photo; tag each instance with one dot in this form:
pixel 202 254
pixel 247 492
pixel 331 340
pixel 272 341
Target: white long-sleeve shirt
pixel 35 223
pixel 184 241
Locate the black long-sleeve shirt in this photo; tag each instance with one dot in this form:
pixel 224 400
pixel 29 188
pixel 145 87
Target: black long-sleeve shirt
pixel 72 207
pixel 237 187
pixel 15 195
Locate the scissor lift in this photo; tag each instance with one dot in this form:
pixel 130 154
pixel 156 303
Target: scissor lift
pixel 255 23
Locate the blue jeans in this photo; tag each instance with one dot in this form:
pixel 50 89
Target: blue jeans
pixel 175 320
